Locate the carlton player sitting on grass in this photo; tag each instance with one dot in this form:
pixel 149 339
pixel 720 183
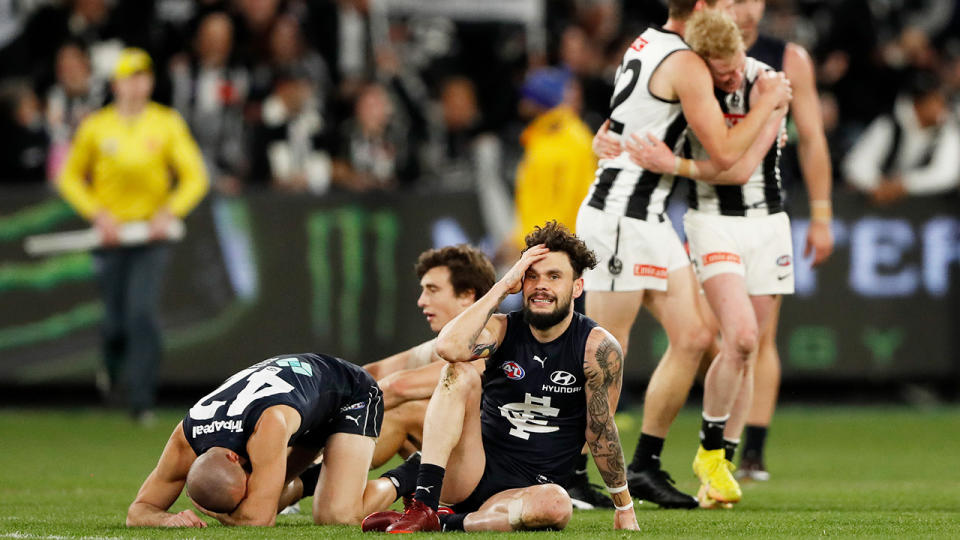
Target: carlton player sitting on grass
pixel 551 379
pixel 240 449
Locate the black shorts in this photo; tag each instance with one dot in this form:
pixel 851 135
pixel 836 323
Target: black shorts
pixel 360 414
pixel 498 475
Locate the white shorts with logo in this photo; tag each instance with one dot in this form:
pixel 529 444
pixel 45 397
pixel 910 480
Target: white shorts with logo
pixel 758 248
pixel 632 254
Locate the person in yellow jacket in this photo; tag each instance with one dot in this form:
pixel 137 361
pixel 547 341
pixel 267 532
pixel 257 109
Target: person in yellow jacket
pixel 558 163
pixel 118 171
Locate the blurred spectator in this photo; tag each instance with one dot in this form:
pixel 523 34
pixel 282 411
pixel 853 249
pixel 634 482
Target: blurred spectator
pixel 209 90
pixel 82 21
pixel 254 22
pixel 75 94
pixel 289 52
pixel 23 139
pixel 374 152
pixel 584 59
pixel 913 151
pixel 558 163
pixel 450 154
pixel 127 150
pixel 288 144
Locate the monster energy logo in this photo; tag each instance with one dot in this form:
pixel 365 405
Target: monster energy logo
pixel 352 226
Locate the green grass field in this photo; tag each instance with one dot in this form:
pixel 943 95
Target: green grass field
pixel 839 472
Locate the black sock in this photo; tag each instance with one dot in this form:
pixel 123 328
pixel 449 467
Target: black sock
pixel 429 483
pixel 580 477
pixel 753 446
pixel 451 522
pixel 730 448
pixel 647 454
pixel 404 476
pixel 309 478
pixel 711 432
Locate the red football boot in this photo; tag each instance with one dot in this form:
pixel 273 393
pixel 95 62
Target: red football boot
pixel 418 517
pixel 379 521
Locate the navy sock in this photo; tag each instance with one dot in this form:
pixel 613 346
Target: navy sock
pixel 429 483
pixel 452 522
pixel 756 438
pixel 730 448
pixel 404 476
pixel 647 454
pixel 711 432
pixel 309 478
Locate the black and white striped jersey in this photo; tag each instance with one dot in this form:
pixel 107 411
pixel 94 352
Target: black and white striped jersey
pixel 621 186
pixel 763 193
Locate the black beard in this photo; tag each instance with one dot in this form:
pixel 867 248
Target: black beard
pixel 544 321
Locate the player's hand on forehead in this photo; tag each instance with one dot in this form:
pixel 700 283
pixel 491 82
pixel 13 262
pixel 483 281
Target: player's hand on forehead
pixel 513 279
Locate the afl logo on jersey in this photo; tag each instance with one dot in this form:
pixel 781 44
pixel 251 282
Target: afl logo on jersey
pixel 562 378
pixel 513 370
pixel 783 260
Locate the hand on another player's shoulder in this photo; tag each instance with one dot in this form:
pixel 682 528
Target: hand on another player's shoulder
pixel 776 85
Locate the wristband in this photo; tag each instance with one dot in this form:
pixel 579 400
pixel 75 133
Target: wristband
pixel 821 211
pixel 688 168
pixel 676 164
pixel 624 507
pixel 614 491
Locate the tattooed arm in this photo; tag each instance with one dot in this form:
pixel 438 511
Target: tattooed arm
pixel 477 332
pixel 603 367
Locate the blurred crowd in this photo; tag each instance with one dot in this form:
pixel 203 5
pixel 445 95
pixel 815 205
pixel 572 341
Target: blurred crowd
pixel 320 95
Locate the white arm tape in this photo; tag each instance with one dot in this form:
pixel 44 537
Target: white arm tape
pixel 614 491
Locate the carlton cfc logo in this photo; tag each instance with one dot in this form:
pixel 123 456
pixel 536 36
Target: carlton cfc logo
pixel 513 370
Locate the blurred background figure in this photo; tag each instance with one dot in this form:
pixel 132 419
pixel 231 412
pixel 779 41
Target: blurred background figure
pixel 118 171
pixel 914 150
pixel 210 90
pixel 23 137
pixel 558 163
pixel 373 151
pixel 288 144
pixel 74 95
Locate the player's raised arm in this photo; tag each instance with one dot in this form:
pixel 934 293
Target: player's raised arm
pixel 163 486
pixel 474 334
pixel 686 76
pixel 603 367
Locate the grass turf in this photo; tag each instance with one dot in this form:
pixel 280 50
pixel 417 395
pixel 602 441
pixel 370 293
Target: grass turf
pixel 839 472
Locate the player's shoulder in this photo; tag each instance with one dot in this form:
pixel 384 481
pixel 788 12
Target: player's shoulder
pixel 600 343
pixel 796 60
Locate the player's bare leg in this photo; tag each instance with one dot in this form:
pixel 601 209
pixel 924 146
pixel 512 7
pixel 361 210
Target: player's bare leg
pixel 677 310
pixel 679 314
pixel 343 494
pixel 766 390
pixel 764 306
pixel 615 311
pixel 451 431
pixel 399 425
pixel 545 506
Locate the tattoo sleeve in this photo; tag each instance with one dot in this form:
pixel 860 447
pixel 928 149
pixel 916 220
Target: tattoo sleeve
pixel 604 371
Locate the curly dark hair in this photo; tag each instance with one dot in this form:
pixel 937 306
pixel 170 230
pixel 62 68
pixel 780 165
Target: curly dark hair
pixel 470 269
pixel 559 238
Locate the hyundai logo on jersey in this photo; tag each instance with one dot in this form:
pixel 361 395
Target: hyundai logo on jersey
pixel 513 370
pixel 562 378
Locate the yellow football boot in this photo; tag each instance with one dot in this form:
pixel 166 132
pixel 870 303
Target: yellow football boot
pixel 718 487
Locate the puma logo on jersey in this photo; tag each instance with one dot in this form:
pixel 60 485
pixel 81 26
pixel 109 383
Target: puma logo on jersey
pixel 356 419
pixel 424 488
pixel 538 359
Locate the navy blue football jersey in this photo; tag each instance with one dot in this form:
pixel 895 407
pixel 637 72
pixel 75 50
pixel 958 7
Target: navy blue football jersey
pixel 331 395
pixel 534 410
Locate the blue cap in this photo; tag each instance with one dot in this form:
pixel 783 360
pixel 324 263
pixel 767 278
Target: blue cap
pixel 545 86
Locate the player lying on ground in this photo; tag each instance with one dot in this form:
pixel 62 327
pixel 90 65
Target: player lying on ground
pixel 551 378
pixel 241 448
